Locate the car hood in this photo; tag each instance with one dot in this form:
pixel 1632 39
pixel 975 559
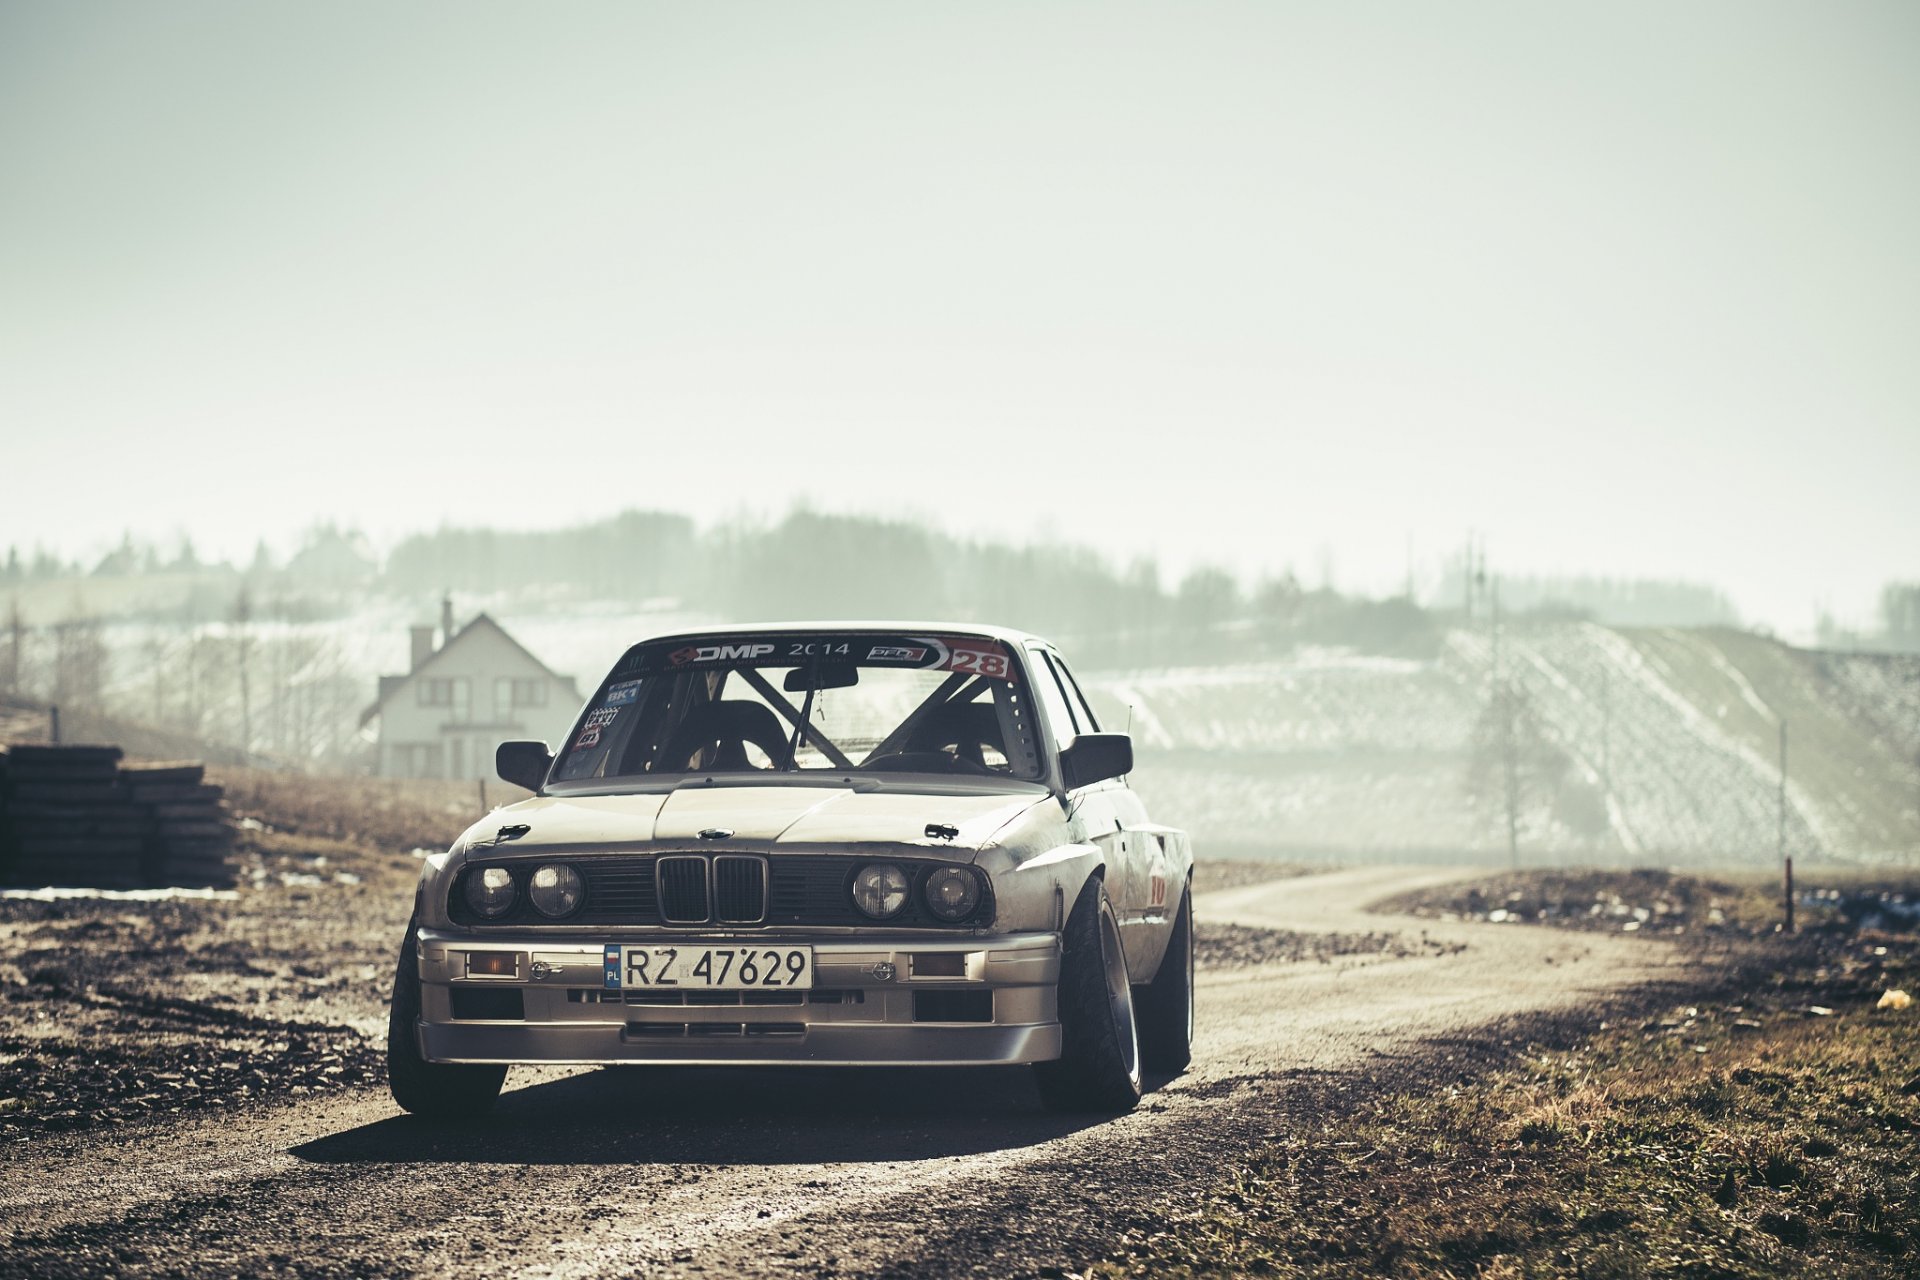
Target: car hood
pixel 757 817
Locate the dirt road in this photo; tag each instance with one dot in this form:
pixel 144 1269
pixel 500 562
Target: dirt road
pixel 787 1173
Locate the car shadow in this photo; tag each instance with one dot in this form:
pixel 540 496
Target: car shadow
pixel 734 1115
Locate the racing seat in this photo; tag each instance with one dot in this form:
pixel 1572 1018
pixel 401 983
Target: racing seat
pixel 718 733
pixel 967 727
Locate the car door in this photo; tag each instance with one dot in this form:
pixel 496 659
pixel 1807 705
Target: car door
pixel 1107 813
pixel 1140 866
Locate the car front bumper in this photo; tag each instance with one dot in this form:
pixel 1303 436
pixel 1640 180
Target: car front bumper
pixel 874 1001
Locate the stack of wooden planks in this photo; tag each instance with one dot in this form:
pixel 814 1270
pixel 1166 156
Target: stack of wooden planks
pixel 78 816
pixel 191 840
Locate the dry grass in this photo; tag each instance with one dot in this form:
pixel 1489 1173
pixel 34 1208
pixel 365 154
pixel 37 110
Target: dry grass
pixel 1739 1137
pixel 1647 900
pixel 382 814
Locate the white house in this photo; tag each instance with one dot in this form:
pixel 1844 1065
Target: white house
pixel 478 689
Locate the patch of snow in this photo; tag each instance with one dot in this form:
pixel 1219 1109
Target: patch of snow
pixel 58 893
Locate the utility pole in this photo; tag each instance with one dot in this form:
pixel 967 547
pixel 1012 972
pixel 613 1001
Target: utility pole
pixel 1466 584
pixel 1785 861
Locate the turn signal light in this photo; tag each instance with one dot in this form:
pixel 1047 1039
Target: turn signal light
pixel 493 964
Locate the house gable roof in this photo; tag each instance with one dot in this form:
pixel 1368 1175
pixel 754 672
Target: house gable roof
pixel 391 685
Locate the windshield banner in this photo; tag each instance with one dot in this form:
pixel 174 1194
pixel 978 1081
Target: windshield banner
pixel 969 655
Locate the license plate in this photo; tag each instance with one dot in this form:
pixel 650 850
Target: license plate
pixel 697 968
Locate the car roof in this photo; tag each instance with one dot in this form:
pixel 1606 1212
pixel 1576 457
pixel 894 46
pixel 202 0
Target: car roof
pixel 1008 635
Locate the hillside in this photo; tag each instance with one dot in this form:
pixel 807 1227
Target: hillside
pixel 1663 746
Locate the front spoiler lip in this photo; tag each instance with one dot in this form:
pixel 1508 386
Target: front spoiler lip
pixel 1007 962
pixel 877 1045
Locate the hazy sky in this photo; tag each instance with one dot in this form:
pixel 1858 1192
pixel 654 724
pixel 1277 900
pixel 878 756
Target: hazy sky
pixel 1632 290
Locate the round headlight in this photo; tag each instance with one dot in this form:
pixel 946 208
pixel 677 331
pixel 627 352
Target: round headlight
pixel 953 893
pixel 490 891
pixel 880 891
pixel 556 890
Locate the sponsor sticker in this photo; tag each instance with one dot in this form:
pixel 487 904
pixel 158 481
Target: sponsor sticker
pixel 895 653
pixel 718 653
pixel 597 719
pixel 623 695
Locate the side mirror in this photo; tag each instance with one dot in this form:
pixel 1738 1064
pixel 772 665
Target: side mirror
pixel 524 764
pixel 1095 757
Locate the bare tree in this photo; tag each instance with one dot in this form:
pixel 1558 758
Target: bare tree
pixel 80 662
pixel 243 653
pixel 15 669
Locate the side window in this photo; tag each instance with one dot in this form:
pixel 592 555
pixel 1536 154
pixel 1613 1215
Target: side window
pixel 1080 723
pixel 1076 699
pixel 1047 687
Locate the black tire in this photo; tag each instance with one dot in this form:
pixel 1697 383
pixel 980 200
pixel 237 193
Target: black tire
pixel 1099 1065
pixel 439 1090
pixel 1165 1005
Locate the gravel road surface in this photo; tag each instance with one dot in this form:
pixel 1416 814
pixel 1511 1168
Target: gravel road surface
pixel 763 1173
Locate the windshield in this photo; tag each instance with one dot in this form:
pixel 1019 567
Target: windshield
pixel 766 703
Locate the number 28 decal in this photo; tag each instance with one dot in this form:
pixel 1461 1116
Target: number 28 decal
pixel 978 662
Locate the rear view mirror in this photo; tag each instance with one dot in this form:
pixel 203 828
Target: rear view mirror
pixel 840 676
pixel 524 764
pixel 1095 757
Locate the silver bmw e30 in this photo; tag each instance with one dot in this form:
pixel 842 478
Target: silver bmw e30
pixel 830 845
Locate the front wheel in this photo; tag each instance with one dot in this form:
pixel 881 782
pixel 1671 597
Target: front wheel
pixel 440 1090
pixel 1166 1003
pixel 1099 1064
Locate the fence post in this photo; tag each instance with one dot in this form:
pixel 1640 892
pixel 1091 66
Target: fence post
pixel 53 728
pixel 1785 860
pixel 1789 895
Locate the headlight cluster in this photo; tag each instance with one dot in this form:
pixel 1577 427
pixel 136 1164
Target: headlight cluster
pixel 555 889
pixel 882 890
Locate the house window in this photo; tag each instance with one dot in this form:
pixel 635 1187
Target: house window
pixel 509 693
pixel 454 693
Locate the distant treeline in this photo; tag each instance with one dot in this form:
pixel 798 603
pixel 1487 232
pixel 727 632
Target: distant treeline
pixel 817 566
pixel 808 565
